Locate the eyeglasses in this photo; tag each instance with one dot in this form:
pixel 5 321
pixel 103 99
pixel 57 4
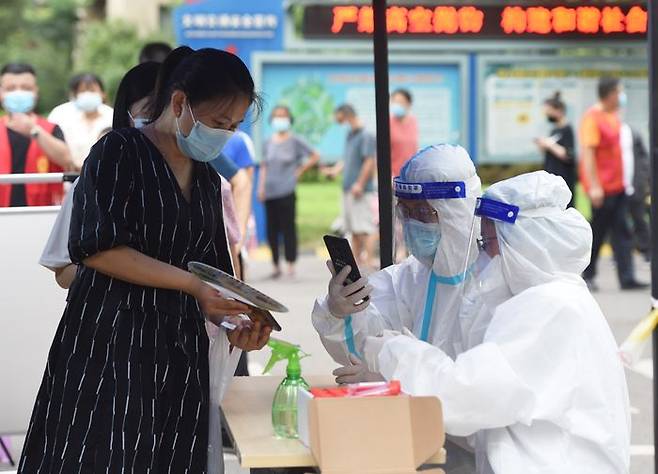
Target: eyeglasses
pixel 421 213
pixel 482 242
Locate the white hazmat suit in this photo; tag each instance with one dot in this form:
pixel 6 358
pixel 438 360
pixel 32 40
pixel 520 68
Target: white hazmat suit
pixel 539 385
pixel 422 297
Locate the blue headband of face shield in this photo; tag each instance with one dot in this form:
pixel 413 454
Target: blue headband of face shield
pixel 426 191
pixel 496 210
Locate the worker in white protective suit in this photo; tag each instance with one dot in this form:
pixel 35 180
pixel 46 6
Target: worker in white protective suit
pixel 436 194
pixel 539 384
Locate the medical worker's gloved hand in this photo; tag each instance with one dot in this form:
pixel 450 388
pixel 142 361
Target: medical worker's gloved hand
pixel 346 300
pixel 374 346
pixel 356 373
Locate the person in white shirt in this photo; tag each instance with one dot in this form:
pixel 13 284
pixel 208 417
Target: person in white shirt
pixel 84 117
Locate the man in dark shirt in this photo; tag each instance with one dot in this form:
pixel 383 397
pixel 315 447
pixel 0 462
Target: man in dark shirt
pixel 28 143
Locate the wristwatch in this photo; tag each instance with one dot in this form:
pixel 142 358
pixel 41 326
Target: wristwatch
pixel 35 131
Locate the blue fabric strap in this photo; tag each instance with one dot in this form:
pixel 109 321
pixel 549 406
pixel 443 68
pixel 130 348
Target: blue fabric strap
pixel 349 337
pixel 429 307
pixel 431 297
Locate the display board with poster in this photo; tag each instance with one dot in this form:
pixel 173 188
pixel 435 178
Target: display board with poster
pixel 513 90
pixel 312 87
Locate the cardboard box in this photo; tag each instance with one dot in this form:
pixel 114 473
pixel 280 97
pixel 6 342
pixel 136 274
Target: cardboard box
pixel 377 435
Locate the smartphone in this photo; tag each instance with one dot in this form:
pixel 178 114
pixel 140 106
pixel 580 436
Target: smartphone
pixel 341 255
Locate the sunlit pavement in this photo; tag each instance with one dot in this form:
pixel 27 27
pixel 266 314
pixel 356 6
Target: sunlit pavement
pixel 623 310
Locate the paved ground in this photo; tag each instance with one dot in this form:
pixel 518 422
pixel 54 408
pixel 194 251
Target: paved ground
pixel 623 310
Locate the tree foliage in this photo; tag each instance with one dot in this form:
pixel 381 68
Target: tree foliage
pixel 42 34
pixel 50 35
pixel 109 49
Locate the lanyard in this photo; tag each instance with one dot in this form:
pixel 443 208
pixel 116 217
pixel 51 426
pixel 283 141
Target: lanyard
pixel 431 297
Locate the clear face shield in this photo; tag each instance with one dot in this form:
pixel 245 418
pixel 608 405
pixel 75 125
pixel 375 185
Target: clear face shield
pixel 483 233
pixel 416 221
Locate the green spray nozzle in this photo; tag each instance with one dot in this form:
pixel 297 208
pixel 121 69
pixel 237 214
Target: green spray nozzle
pixel 285 350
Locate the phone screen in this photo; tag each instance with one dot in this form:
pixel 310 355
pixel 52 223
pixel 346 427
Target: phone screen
pixel 341 256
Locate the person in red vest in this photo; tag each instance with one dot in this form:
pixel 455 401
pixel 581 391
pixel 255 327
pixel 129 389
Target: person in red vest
pixel 602 176
pixel 28 142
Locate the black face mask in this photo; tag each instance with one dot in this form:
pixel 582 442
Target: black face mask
pixel 551 119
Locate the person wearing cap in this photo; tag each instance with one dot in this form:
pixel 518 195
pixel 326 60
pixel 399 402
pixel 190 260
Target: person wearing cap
pixel 436 193
pixel 538 386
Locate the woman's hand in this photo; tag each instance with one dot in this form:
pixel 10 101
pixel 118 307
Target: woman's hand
pixel 250 338
pixel 214 306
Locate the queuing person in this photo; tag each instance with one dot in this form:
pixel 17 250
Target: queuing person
pixel 358 167
pixel 602 176
pixel 536 384
pixel 404 143
pixel 286 157
pixel 404 130
pixel 130 110
pixel 136 186
pixel 559 146
pixel 28 142
pixel 156 52
pixel 84 117
pixel 637 176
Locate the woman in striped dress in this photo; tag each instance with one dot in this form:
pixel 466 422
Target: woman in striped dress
pixel 126 382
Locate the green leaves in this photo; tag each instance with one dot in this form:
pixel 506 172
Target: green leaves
pixel 52 36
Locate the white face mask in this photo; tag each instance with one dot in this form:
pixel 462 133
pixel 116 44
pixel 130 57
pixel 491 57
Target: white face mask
pixel 138 122
pixel 88 101
pixel 203 143
pixel 281 124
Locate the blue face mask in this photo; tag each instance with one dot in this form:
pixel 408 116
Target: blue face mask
pixel 623 100
pixel 398 110
pixel 203 143
pixel 88 101
pixel 19 102
pixel 422 239
pixel 280 124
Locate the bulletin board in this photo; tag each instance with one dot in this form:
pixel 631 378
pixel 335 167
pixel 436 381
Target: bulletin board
pixel 512 91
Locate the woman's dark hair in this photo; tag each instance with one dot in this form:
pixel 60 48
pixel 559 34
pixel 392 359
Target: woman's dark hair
pixel 86 78
pixel 203 75
pixel 282 107
pixel 404 93
pixel 556 102
pixel 156 52
pixel 138 83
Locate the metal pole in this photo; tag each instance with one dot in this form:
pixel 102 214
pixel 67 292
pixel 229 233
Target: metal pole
pixel 653 153
pixel 380 46
pixel 29 178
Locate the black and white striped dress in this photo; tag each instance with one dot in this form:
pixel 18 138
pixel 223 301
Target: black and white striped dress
pixel 126 383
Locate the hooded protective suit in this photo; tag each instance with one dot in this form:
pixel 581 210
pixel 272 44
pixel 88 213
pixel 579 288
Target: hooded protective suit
pixel 540 386
pixel 420 297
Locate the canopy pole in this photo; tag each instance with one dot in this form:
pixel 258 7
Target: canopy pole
pixel 653 154
pixel 380 47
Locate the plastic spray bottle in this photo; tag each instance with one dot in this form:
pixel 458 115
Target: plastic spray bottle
pixel 284 406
